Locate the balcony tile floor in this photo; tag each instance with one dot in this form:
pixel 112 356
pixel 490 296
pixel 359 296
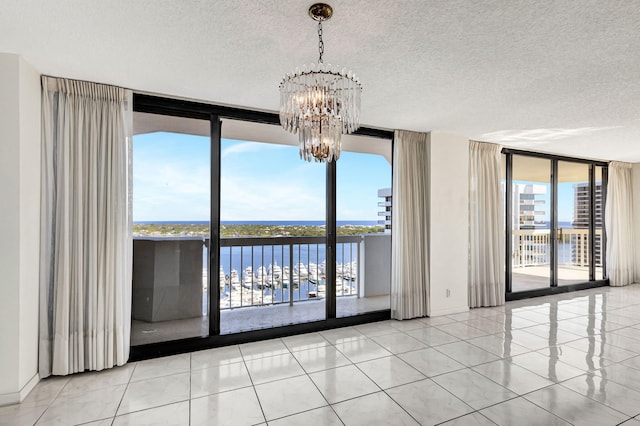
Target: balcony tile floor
pixel 569 359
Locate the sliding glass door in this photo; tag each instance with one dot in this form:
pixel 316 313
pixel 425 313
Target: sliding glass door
pixel 272 231
pixel 530 215
pixel 171 209
pixel 237 239
pixel 554 217
pixel 573 232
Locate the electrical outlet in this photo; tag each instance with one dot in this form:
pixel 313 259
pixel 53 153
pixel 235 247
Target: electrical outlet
pixel 448 292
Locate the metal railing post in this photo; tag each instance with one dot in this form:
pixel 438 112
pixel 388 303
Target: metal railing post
pixel 290 275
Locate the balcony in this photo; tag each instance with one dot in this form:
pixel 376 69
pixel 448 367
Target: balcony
pixel 264 282
pixel 530 257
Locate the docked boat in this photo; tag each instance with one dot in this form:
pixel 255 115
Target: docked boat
pixel 234 278
pixel 274 271
pixel 248 278
pixel 272 282
pixel 285 277
pixel 313 273
pixel 350 271
pixel 300 272
pixel 261 278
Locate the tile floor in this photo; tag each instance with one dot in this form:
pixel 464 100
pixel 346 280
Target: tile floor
pixel 560 360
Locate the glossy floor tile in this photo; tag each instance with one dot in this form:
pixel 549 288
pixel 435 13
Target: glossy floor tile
pixel 566 359
pixel 237 407
pixel 289 396
pixel 172 414
pixel 575 408
pixel 427 402
pixel 514 411
pixel 398 343
pixel 375 409
pixel 207 381
pixel 362 350
pixel 339 384
pixel 606 392
pixel 390 371
pixel 164 366
pixel 155 393
pixel 322 358
pixel 430 362
pixel 473 388
pixel 467 353
pixel 513 377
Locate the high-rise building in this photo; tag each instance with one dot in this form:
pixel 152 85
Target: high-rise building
pixel 581 206
pixel 528 206
pixel 385 193
pixel 581 213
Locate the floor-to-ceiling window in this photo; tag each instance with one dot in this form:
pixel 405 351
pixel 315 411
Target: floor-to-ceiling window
pixel 530 214
pixel 171 210
pixel 272 230
pixel 574 216
pixel 363 212
pixel 554 215
pixel 238 239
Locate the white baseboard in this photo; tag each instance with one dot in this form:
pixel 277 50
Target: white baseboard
pixel 448 311
pixel 18 397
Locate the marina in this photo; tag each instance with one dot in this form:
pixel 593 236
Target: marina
pixel 277 284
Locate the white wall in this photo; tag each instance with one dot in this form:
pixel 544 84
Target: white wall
pixel 30 142
pixel 449 223
pixel 19 226
pixel 635 180
pixel 9 220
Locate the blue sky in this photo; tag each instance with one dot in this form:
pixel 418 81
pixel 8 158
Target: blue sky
pixel 259 181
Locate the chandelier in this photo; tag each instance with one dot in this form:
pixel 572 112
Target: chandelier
pixel 320 102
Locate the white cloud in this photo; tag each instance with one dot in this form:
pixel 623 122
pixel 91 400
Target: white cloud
pixel 170 192
pixel 286 196
pixel 245 147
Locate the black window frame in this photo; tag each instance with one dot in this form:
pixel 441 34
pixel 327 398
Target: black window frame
pixel 554 288
pixel 160 105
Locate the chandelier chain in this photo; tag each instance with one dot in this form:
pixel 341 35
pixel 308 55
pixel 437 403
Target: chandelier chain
pixel 320 43
pixel 320 103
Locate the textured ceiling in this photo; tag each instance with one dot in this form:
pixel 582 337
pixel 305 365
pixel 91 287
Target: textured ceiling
pixel 555 76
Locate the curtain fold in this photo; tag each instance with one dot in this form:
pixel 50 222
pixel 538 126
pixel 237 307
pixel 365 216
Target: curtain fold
pixel 619 225
pixel 410 221
pixel 486 226
pixel 85 227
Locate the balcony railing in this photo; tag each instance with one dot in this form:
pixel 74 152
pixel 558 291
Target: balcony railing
pixel 531 247
pixel 257 271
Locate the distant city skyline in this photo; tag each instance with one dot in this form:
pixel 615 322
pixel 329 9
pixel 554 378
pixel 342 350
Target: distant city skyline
pixel 259 181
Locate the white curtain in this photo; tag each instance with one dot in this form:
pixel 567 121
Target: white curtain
pixel 486 226
pixel 85 259
pixel 409 238
pixel 619 225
